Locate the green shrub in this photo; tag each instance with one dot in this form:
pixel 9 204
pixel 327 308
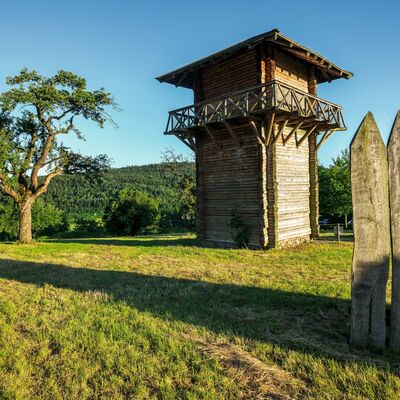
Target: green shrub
pixel 132 213
pixel 240 231
pixel 8 220
pixel 91 224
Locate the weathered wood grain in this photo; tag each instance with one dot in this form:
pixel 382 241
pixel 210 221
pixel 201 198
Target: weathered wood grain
pixel 292 174
pixel 370 269
pixel 291 70
pixel 271 183
pixel 230 181
pixel 394 190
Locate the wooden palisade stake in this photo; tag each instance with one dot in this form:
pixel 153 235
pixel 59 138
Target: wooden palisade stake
pixel 394 190
pixel 370 269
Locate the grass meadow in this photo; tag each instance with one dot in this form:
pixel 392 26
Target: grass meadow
pixel 160 318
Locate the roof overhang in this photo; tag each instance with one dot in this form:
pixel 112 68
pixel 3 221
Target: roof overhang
pixel 326 70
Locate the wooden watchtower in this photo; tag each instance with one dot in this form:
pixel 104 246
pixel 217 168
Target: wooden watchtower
pixel 256 125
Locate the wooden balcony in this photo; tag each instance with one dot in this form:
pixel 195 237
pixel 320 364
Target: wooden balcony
pixel 284 103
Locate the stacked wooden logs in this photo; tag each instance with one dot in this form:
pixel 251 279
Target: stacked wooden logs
pixel 375 181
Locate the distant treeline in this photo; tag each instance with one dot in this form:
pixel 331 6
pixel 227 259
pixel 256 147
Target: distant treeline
pixel 150 198
pixel 78 196
pixel 163 192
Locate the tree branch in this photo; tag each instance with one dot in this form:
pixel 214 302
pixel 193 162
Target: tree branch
pixel 53 160
pixel 22 182
pixel 39 164
pixel 43 186
pixel 30 152
pixel 49 142
pixel 7 190
pixel 40 115
pixel 68 127
pixel 45 123
pixel 61 116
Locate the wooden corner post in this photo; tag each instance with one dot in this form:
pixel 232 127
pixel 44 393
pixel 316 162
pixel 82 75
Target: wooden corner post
pixel 200 221
pixel 313 164
pixel 314 191
pixel 370 269
pixel 394 190
pixel 272 193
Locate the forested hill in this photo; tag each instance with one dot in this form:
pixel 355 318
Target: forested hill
pixel 77 195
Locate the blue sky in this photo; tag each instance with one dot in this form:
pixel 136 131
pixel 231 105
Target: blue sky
pixel 123 45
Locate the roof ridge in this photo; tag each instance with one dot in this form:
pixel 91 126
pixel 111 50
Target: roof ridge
pixel 179 75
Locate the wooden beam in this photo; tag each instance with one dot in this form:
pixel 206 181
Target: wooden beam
pixel 326 76
pixel 293 121
pixel 287 115
pixel 232 133
pixel 254 128
pixel 283 126
pixel 280 133
pixel 192 141
pixel 325 136
pixel 320 126
pixel 270 124
pixel 323 65
pixel 306 135
pixel 183 140
pixel 182 78
pixel 212 136
pixel 292 132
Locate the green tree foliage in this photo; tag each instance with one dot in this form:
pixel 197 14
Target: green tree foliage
pixel 34 113
pixel 46 219
pixel 185 180
pixel 8 220
pixel 132 213
pixel 90 224
pixel 335 187
pixel 81 197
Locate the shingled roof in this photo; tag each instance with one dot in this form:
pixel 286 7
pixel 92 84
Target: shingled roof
pixel 326 70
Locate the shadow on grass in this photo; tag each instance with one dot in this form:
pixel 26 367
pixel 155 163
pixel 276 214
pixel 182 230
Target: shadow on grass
pixel 142 241
pixel 294 319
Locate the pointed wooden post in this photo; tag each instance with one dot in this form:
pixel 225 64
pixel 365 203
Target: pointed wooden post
pixel 394 190
pixel 369 183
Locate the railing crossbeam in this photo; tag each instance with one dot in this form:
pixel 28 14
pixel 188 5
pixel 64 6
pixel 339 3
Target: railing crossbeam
pixel 273 96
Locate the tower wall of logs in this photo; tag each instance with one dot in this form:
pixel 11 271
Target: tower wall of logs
pixel 232 165
pixel 255 127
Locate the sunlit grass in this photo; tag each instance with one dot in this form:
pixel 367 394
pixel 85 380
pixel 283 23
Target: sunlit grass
pixel 159 317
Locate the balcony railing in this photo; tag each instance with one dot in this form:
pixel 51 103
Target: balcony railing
pixel 259 100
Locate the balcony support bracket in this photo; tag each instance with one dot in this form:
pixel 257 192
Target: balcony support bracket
pixel 254 127
pixel 232 133
pixel 292 132
pixel 212 136
pixel 325 136
pixel 280 132
pixel 188 140
pixel 269 128
pixel 192 140
pixel 306 135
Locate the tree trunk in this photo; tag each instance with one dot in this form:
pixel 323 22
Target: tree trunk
pixel 346 222
pixel 25 222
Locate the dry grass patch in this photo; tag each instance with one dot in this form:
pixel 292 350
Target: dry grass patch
pixel 260 380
